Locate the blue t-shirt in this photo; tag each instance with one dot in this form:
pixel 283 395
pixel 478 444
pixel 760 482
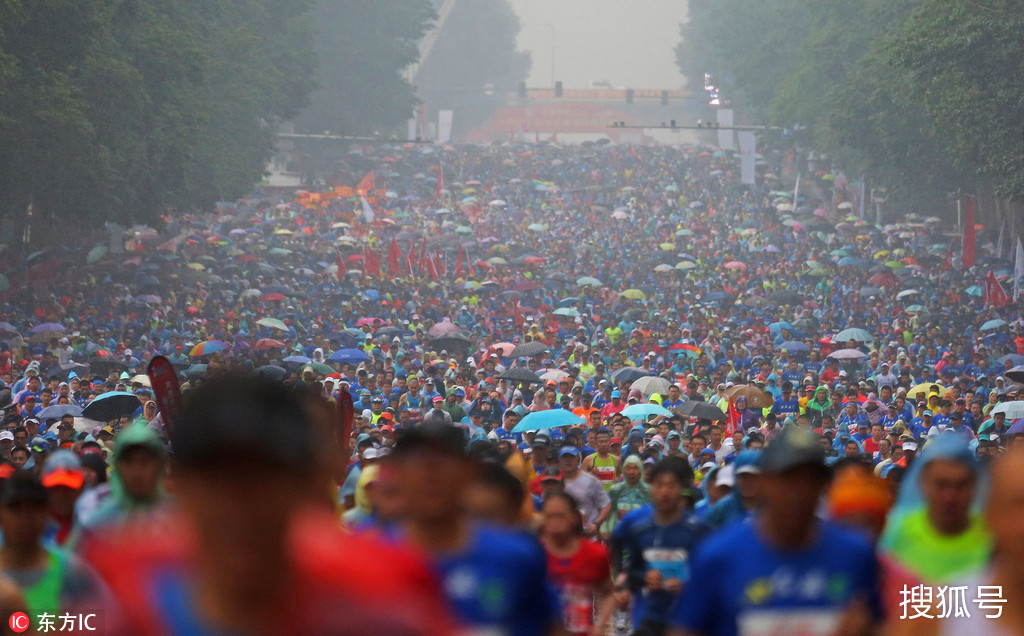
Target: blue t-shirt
pixel 668 549
pixel 769 591
pixel 499 582
pixel 784 408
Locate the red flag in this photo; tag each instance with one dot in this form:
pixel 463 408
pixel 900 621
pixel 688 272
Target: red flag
pixel 341 266
pixel 458 264
pixel 994 294
pixel 967 259
pixel 394 259
pixel 440 181
pixel 441 264
pixel 947 263
pixel 732 419
pixel 366 185
pixel 423 257
pixel 431 267
pixel 410 261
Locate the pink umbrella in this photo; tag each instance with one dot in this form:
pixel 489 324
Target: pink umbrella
pixel 443 328
pixel 365 321
pixel 735 265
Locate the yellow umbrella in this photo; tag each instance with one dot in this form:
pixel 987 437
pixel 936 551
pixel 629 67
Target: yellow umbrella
pixel 634 294
pixel 283 232
pixel 882 254
pixel 925 388
pixel 497 261
pixel 196 266
pixel 685 265
pixel 668 247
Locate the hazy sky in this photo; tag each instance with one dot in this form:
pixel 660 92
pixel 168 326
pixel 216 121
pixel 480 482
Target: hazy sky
pixel 627 42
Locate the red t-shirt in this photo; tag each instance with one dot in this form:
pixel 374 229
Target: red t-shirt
pixel 577 578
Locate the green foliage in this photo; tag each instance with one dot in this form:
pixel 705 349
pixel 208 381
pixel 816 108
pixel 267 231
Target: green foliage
pixel 477 46
pixel 921 96
pixel 121 109
pixel 363 48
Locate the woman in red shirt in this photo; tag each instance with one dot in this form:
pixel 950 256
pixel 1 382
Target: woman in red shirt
pixel 578 568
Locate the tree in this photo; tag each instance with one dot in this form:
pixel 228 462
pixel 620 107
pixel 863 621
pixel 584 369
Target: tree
pixel 363 48
pixel 476 47
pixel 122 110
pixel 965 61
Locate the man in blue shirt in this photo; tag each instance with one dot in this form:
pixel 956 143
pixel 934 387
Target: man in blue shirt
pixel 794 573
pixel 786 405
pixel 651 546
pixel 495 579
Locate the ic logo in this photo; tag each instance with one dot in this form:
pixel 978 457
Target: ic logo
pixel 19 622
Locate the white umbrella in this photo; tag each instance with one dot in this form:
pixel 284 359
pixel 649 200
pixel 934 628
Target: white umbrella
pixel 651 385
pixel 847 354
pixel 1013 410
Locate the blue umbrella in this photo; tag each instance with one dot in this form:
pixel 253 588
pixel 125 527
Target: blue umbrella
pixel 1015 360
pixel 794 346
pixel 566 302
pixel 111 406
pixel 993 324
pixel 635 411
pixel 551 418
pixel 860 335
pixel 348 356
pixel 776 327
pixel 58 411
pixel 297 360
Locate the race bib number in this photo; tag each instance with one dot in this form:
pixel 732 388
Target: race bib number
pixel 797 622
pixel 672 563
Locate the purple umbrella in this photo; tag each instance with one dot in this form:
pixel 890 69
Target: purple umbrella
pixel 1017 427
pixel 443 328
pixel 48 326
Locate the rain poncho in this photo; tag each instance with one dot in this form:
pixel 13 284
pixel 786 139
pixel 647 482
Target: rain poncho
pixel 120 505
pixel 911 542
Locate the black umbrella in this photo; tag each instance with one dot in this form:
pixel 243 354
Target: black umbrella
pixel 1016 374
pixel 111 406
pixel 529 349
pixel 786 297
pixel 103 365
pixel 519 374
pixel 701 410
pixel 195 371
pixel 61 373
pixel 387 332
pixel 451 342
pixel 629 374
pixel 272 372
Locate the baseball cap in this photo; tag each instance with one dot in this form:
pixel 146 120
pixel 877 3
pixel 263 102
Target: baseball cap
pixel 726 476
pixel 926 413
pixel 551 475
pixel 542 439
pixel 568 450
pixel 910 446
pixel 616 393
pixel 747 463
pixel 63 468
pixel 6 435
pixel 437 398
pixel 792 448
pixel 39 445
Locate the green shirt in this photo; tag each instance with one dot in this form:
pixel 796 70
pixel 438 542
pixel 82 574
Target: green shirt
pixel 913 542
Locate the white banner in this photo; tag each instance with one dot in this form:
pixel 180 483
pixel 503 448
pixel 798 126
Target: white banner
pixel 748 147
pixel 444 126
pixel 725 137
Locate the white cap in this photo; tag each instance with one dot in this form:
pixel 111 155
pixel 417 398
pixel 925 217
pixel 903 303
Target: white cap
pixel 6 435
pixel 370 453
pixel 910 446
pixel 726 476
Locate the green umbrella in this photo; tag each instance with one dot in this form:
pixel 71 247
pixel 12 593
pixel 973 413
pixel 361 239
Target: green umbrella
pixel 96 254
pixel 588 280
pixel 567 311
pixel 321 368
pixel 272 323
pixel 684 232
pixel 894 265
pixel 685 265
pixel 537 227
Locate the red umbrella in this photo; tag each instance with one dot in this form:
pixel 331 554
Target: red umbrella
pixel 884 279
pixel 533 260
pixel 735 265
pixel 354 258
pixel 270 297
pixel 246 258
pixel 268 343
